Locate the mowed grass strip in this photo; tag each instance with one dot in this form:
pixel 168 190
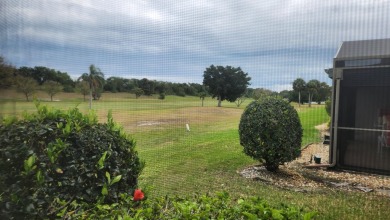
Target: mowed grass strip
pixel 311 117
pixel 207 158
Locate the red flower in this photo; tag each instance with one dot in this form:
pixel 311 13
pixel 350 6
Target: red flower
pixel 138 195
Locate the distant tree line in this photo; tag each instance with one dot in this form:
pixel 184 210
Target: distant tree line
pixel 150 87
pixel 37 77
pixel 309 92
pixel 223 83
pixel 303 92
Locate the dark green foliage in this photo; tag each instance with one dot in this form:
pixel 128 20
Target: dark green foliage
pixel 179 91
pixel 312 88
pixel 270 131
pixel 311 91
pixel 161 96
pixel 42 74
pixel 95 80
pixel 328 105
pixel 63 156
pixel 225 83
pixel 7 74
pixel 287 95
pixel 261 93
pixel 119 84
pixel 219 206
pixel 138 92
pixel 148 86
pixel 299 85
pixel 324 92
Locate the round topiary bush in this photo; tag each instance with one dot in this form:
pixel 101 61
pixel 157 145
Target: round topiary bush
pixel 270 131
pixel 53 158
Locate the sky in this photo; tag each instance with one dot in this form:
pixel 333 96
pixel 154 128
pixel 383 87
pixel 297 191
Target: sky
pixel 274 41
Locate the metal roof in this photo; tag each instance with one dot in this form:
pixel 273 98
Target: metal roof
pixel 364 49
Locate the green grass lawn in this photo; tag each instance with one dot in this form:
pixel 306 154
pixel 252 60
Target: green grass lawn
pixel 207 158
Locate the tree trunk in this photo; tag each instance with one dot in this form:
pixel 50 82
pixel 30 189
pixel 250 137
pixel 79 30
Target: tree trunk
pixel 51 98
pixel 202 101
pixel 310 100
pixel 299 98
pixel 219 101
pixel 26 96
pixel 90 99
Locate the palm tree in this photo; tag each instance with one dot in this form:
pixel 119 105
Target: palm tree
pixel 202 96
pixel 312 87
pixel 95 79
pixel 299 85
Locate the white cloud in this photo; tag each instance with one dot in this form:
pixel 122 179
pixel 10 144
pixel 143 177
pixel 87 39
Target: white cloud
pixel 279 87
pixel 275 41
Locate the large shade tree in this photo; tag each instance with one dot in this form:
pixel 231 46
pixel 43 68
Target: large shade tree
pixel 299 85
pixel 42 74
pixel 225 83
pixel 95 79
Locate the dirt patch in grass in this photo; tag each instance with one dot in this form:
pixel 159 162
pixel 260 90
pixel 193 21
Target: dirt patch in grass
pixel 161 122
pixel 178 117
pixel 296 177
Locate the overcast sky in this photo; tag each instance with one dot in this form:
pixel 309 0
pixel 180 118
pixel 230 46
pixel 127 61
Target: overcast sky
pixel 274 41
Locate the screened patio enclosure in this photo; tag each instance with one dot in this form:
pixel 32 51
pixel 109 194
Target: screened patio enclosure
pixel 360 126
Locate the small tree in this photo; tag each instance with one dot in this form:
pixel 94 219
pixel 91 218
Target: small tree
pixel 270 131
pixel 52 88
pixel 26 85
pixel 202 96
pixel 83 88
pixel 138 92
pixel 161 95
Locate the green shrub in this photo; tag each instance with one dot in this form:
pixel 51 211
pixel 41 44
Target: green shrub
pixel 328 104
pixel 270 131
pixel 218 206
pixel 55 155
pixel 161 96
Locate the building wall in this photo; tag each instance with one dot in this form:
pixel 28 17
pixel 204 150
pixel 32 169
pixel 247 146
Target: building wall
pixel 364 94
